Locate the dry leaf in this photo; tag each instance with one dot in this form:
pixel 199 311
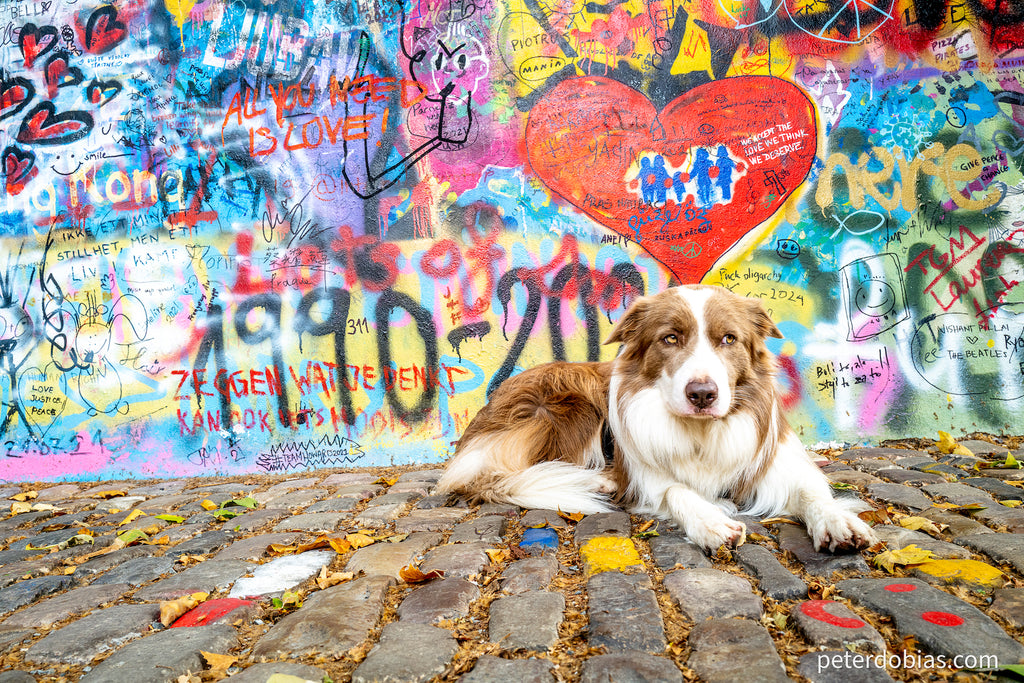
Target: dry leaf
pixel 218 662
pixel 387 482
pixel 170 610
pixel 778 520
pixel 326 579
pixel 20 508
pixel 571 516
pixel 949 446
pixel 875 516
pixel 106 495
pixel 24 496
pixel 208 504
pixel 904 556
pixel 132 516
pixel 340 545
pixel 411 574
pixel 497 555
pixel 359 540
pixel 922 524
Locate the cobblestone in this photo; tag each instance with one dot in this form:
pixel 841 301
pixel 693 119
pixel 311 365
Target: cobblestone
pixel 602 600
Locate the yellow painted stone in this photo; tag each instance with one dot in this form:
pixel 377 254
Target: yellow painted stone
pixel 609 553
pixel 970 572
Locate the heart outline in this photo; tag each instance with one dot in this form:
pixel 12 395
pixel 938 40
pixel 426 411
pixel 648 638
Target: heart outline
pixel 29 43
pixel 44 116
pixel 603 147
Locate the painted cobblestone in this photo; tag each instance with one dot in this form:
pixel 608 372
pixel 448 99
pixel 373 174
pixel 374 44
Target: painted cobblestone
pixel 605 597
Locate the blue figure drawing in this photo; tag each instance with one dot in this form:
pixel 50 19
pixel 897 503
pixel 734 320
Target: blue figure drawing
pixel 652 179
pixel 725 166
pixel 701 172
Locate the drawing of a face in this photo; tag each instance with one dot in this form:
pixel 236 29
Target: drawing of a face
pixel 875 298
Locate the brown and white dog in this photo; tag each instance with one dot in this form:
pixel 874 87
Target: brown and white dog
pixel 692 407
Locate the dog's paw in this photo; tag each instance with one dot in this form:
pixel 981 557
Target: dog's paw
pixel 713 534
pixel 840 530
pixel 606 485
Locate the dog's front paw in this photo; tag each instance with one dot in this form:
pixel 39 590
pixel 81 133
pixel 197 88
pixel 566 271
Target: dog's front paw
pixel 713 534
pixel 840 530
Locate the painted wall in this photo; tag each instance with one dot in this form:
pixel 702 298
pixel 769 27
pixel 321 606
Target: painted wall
pixel 271 236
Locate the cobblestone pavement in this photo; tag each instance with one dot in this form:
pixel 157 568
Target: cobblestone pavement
pixel 365 576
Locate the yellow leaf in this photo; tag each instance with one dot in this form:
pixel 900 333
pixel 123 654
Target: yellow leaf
pixel 1010 503
pixel 875 516
pixel 37 507
pixel 24 496
pixel 170 610
pixel 949 446
pixel 411 574
pixel 359 540
pixel 921 524
pixel 778 520
pixel 497 555
pixel 20 508
pixel 1011 462
pixel 132 516
pixel 218 662
pixel 208 504
pixel 571 516
pixel 340 545
pixel 104 495
pixel 386 482
pixel 276 549
pixel 904 556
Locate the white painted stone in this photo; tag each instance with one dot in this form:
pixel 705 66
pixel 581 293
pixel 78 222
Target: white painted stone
pixel 281 574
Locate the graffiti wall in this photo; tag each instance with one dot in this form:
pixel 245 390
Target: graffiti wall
pixel 259 236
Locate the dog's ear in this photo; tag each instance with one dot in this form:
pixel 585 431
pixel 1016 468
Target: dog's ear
pixel 630 322
pixel 763 322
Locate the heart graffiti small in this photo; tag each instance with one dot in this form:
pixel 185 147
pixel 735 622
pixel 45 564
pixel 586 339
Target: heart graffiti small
pixel 43 126
pixel 34 42
pixel 15 94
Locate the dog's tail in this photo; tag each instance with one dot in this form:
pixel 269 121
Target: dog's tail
pixel 550 485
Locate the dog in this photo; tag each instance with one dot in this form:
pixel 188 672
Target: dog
pixel 691 410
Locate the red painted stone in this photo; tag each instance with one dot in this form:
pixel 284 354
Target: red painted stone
pixel 942 618
pixel 900 587
pixel 210 611
pixel 816 610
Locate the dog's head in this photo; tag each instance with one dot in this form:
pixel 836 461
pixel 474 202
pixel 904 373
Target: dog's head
pixel 702 347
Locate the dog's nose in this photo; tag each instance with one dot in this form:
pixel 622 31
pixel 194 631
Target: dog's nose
pixel 701 394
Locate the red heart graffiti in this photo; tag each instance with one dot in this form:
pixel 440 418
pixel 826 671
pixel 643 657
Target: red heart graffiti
pixel 35 41
pixel 43 126
pixel 686 184
pixel 18 168
pixel 15 95
pixel 103 32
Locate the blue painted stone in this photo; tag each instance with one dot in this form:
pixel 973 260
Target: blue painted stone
pixel 538 540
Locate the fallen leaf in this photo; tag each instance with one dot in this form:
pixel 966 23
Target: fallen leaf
pixel 132 516
pixel 340 545
pixel 173 519
pixel 1011 462
pixel 904 556
pixel 359 540
pixel 326 579
pixel 1011 503
pixel 842 486
pixel 133 536
pixel 24 496
pixel 218 662
pixel 397 538
pixel 106 495
pixel 289 600
pixel 875 516
pixel 39 507
pixel 208 504
pixel 496 555
pixel 387 482
pixel 949 446
pixel 411 574
pixel 170 610
pixel 778 520
pixel 247 502
pixel 224 514
pixel 20 508
pixel 277 549
pixel 571 516
pixel 922 524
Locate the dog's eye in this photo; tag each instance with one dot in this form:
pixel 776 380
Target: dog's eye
pixel 670 339
pixel 728 340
